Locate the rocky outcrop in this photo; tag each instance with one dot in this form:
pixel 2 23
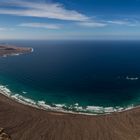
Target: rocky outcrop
pixel 4 135
pixel 13 50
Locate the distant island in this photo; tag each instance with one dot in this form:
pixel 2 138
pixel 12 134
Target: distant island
pixel 6 50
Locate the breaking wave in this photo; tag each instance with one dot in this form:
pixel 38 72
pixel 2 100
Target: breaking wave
pixel 89 110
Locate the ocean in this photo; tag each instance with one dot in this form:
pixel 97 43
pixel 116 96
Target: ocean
pixel 77 76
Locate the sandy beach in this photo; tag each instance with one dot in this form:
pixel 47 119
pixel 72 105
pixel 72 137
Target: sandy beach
pixel 24 122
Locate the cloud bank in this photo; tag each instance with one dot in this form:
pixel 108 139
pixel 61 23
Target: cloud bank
pixel 45 10
pixel 123 22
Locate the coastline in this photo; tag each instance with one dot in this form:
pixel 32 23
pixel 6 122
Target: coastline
pixel 74 109
pixel 9 50
pixel 21 121
pixel 97 110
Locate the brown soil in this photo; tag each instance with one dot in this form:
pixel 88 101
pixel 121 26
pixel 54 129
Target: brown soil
pixel 23 122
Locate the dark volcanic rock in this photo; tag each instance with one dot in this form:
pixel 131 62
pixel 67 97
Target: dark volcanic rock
pixel 4 135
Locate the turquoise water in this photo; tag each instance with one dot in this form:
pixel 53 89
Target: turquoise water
pixel 87 76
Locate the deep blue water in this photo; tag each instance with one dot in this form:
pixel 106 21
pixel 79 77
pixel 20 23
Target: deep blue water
pixel 90 73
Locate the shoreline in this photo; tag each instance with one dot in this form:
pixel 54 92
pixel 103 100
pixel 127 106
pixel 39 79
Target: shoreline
pixel 41 105
pixel 89 110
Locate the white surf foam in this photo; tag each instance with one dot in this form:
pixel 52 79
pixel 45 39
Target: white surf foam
pixel 24 92
pixel 15 54
pixel 132 78
pixel 32 50
pixel 89 110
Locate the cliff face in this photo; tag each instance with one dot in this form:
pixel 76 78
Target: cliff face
pixel 4 135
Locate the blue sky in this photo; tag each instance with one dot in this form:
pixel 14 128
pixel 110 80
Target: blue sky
pixel 69 19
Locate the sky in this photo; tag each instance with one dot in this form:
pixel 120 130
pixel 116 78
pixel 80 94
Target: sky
pixel 70 19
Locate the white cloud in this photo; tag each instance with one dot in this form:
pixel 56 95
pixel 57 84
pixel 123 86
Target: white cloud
pixel 40 25
pixel 92 24
pixel 122 22
pixel 46 10
pixel 119 22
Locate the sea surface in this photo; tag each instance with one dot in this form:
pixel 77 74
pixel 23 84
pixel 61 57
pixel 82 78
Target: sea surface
pixel 80 76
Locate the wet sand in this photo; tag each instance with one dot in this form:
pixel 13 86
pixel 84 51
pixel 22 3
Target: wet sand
pixel 24 122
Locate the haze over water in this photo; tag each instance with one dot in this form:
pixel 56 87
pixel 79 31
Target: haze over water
pixel 76 74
